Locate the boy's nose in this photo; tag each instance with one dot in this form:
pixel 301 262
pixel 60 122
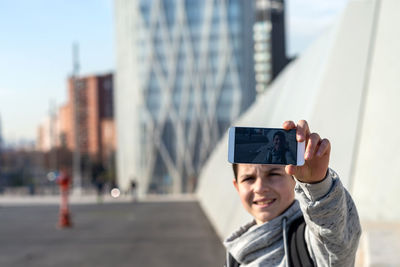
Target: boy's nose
pixel 260 185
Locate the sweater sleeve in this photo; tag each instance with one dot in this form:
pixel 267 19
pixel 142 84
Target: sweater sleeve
pixel 333 226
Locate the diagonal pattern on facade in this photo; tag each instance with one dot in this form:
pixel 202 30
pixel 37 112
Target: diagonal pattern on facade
pixel 191 67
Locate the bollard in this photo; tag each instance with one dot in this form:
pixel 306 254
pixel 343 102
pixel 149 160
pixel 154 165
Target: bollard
pixel 64 181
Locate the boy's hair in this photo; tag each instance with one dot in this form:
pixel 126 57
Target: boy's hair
pixel 235 169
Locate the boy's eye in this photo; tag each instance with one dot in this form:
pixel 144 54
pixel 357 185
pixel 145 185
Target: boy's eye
pixel 274 174
pixel 249 178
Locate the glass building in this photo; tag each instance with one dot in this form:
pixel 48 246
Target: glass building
pixel 185 71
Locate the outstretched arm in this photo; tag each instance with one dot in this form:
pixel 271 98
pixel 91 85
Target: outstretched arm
pixel 333 227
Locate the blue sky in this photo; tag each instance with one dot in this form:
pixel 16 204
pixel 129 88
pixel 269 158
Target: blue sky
pixel 36 38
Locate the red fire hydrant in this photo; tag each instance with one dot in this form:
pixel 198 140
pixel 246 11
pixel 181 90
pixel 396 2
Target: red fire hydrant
pixel 64 181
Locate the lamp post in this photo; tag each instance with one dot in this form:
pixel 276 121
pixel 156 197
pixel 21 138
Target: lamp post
pixel 53 137
pixel 77 180
pixel 1 148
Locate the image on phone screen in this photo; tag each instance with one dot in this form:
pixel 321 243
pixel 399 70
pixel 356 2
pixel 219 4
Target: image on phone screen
pixel 264 146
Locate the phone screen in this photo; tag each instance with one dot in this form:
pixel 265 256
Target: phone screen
pixel 264 146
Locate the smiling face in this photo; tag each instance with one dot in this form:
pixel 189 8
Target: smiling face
pixel 266 191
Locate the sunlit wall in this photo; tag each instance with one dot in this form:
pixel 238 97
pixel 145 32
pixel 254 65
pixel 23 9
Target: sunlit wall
pixel 347 86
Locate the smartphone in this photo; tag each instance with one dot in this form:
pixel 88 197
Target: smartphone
pixel 265 146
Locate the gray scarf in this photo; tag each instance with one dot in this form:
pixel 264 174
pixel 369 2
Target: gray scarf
pixel 262 245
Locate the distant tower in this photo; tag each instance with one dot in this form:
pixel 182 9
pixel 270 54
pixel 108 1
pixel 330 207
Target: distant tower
pixel 269 42
pixel 1 135
pixel 1 146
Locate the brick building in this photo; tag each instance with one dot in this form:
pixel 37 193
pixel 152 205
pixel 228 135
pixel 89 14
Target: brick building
pixel 95 119
pixel 94 115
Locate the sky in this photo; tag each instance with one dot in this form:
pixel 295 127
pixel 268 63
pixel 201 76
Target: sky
pixel 36 39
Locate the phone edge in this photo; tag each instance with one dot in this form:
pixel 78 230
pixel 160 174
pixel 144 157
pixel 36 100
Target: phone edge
pixel 231 145
pixel 301 147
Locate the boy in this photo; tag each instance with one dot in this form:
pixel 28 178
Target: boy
pixel 267 192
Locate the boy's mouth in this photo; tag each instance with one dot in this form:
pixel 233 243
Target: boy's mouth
pixel 264 202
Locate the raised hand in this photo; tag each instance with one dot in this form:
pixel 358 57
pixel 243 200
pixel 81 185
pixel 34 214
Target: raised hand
pixel 316 154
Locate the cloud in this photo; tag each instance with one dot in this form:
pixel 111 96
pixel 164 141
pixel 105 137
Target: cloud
pixel 315 8
pixel 8 94
pixel 307 19
pixel 308 26
pixel 309 16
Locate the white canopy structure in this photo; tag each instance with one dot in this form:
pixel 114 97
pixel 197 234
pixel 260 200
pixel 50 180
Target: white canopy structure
pixel 346 85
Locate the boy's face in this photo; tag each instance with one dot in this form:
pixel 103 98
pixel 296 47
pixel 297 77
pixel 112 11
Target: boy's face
pixel 266 191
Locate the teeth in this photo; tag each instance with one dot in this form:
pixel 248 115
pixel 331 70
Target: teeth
pixel 264 202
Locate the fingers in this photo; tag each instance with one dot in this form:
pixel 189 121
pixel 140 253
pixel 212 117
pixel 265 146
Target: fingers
pixel 288 125
pixel 324 147
pixel 314 145
pixel 291 169
pixel 317 147
pixel 316 155
pixel 303 131
pixel 313 142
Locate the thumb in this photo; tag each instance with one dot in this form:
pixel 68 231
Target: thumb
pixel 291 169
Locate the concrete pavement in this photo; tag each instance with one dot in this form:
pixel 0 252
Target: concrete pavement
pixel 74 199
pixel 152 233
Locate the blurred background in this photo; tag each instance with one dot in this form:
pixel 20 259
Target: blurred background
pixel 129 99
pixel 155 82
